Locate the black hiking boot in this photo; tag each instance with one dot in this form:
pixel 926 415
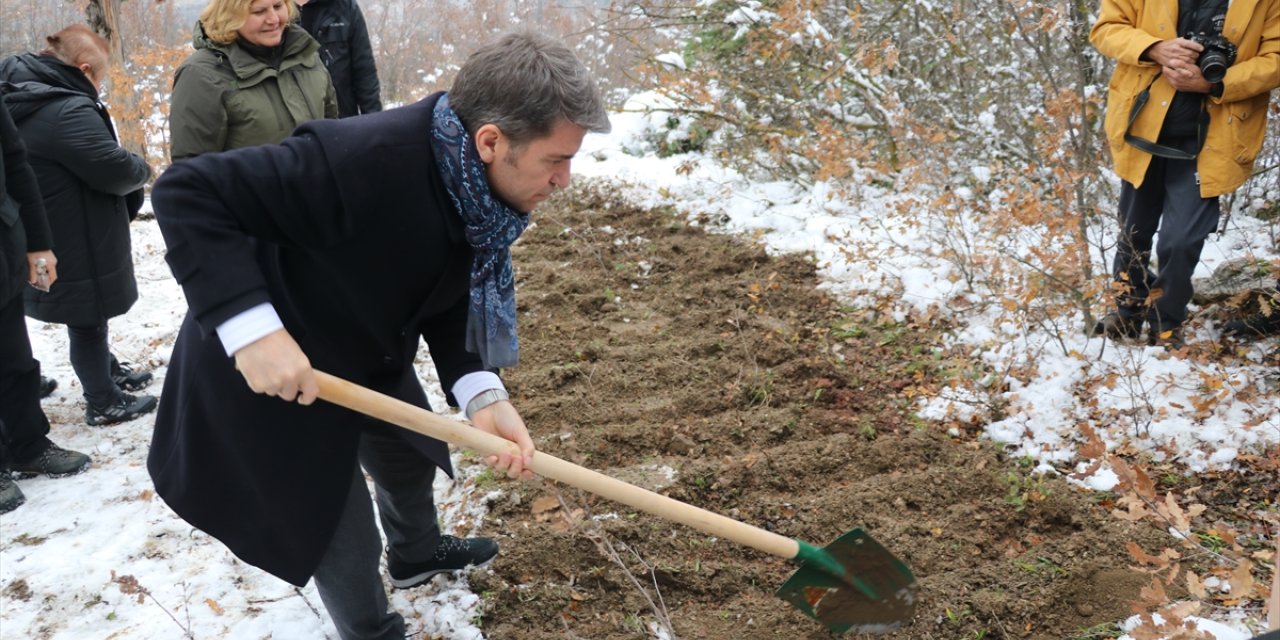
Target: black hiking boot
pixel 54 462
pixel 128 407
pixel 126 378
pixel 1171 339
pixel 10 495
pixel 47 385
pixel 1258 325
pixel 1117 327
pixel 453 554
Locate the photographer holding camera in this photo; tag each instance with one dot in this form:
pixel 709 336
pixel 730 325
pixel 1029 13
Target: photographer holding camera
pixel 1186 113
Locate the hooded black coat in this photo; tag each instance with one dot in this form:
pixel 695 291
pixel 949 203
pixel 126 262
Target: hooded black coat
pixel 346 52
pixel 23 227
pixel 91 188
pixel 346 228
pixel 23 425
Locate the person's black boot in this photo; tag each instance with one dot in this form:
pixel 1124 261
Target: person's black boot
pixel 453 554
pixel 123 374
pixel 1171 339
pixel 47 385
pixel 10 495
pixel 126 408
pixel 54 462
pixel 1258 325
pixel 1117 327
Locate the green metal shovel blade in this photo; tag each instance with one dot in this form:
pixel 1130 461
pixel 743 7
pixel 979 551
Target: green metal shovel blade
pixel 852 584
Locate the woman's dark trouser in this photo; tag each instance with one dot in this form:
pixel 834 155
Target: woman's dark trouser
pixel 349 578
pixel 1168 200
pixel 91 359
pixel 24 429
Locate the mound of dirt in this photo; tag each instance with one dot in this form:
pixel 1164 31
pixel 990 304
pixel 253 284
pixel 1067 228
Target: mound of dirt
pixel 699 366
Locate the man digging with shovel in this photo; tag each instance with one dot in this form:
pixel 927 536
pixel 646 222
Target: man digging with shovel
pixel 338 248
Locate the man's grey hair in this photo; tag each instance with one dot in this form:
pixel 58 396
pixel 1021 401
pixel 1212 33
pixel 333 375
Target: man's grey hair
pixel 525 83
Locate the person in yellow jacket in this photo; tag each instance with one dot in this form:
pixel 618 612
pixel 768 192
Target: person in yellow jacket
pixel 1186 114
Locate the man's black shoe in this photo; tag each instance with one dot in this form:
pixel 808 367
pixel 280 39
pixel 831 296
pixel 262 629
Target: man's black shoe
pixel 54 462
pixel 47 385
pixel 1117 327
pixel 126 378
pixel 1257 325
pixel 1171 339
pixel 10 495
pixel 453 554
pixel 126 408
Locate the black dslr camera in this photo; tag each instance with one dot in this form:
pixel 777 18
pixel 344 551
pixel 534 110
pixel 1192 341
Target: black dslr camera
pixel 1218 54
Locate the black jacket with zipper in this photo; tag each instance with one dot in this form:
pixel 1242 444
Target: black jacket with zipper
pixel 23 226
pixel 91 188
pixel 346 52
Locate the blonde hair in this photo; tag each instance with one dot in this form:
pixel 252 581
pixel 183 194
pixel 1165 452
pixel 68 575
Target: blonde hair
pixel 221 19
pixel 77 45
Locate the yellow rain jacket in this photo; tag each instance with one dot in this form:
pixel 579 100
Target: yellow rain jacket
pixel 1237 119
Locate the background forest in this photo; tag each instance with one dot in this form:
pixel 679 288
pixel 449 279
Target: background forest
pixel 846 94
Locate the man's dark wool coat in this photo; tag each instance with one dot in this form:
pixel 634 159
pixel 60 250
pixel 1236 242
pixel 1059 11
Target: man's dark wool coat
pixel 346 228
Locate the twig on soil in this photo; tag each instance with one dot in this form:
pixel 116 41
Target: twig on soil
pixel 129 585
pixel 568 633
pixel 1273 603
pixel 600 537
pixel 308 603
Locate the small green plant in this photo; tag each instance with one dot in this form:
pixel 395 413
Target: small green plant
pixel 867 429
pixel 486 479
pixel 1098 632
pixel 957 617
pixel 759 392
pixel 1041 566
pixel 1024 489
pixel 633 623
pixel 847 331
pixel 1212 541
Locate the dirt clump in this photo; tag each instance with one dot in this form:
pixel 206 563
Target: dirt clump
pixel 699 366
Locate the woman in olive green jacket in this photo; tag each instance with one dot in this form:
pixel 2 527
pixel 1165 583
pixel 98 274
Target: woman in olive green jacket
pixel 254 77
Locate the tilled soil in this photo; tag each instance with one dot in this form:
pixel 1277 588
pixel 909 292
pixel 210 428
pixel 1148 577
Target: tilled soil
pixel 701 367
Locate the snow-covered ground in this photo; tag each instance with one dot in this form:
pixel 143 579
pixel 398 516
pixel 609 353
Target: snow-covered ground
pixel 73 558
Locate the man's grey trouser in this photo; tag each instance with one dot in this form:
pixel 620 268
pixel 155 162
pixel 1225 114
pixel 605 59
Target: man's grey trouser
pixel 1169 199
pixel 349 579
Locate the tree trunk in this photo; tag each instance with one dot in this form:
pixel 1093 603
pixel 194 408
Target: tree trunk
pixel 103 17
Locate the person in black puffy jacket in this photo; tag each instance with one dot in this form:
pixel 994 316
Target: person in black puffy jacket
pixel 26 259
pixel 92 189
pixel 345 51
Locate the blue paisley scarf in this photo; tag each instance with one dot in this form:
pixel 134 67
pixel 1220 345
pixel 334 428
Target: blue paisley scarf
pixel 491 227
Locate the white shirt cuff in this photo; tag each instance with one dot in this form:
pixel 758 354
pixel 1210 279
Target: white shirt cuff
pixel 473 384
pixel 248 327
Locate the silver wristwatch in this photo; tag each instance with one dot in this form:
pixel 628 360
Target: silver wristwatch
pixel 484 399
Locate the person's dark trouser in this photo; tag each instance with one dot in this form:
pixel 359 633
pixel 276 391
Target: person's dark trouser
pixel 91 359
pixel 348 578
pixel 1169 199
pixel 24 428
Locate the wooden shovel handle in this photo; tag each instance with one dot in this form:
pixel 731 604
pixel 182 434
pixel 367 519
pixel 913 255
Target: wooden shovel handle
pixel 397 412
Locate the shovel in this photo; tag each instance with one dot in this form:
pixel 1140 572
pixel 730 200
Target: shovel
pixel 852 584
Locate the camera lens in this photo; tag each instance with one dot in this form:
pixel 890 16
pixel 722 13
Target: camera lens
pixel 1213 65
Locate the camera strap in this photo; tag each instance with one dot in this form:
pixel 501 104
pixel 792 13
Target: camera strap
pixel 1160 150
